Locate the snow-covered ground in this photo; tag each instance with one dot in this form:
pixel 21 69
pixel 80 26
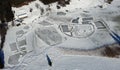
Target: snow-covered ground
pixel 26 46
pixel 75 63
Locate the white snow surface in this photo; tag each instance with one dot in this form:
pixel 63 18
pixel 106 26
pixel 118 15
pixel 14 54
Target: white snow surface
pixel 41 35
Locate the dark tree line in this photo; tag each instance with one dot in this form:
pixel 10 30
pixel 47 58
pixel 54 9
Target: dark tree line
pixel 6 13
pixel 3 31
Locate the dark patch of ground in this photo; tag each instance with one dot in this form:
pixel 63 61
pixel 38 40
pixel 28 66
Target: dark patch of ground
pixel 46 2
pixel 60 2
pixel 19 3
pixel 116 19
pixel 109 1
pixel 111 51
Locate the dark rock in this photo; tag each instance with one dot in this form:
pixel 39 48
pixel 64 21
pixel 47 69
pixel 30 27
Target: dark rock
pixel 58 7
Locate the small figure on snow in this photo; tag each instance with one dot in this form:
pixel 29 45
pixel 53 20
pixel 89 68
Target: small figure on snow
pixel 49 60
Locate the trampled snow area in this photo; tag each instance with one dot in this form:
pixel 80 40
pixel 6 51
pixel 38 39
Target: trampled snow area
pixel 76 63
pixel 83 27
